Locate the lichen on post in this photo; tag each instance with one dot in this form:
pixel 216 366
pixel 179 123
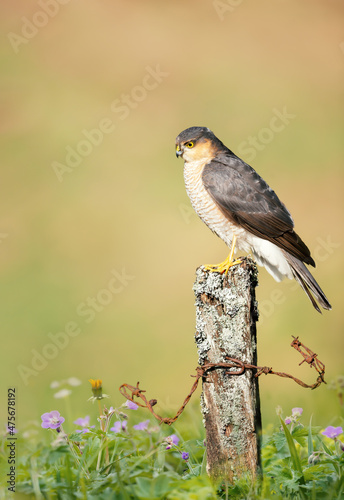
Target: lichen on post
pixel 226 315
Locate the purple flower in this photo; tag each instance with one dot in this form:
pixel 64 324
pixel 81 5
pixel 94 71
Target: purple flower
pixel 172 440
pixel 119 426
pixel 109 412
pixel 11 430
pixel 131 405
pixel 175 439
pixel 287 421
pixel 297 412
pixel 52 420
pixel 142 426
pixel 83 422
pixel 332 432
pixel 185 455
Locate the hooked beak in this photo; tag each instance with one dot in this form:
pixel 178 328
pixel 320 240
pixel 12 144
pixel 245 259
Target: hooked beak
pixel 179 152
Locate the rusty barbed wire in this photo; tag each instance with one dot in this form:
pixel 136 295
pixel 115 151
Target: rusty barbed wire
pixel 130 392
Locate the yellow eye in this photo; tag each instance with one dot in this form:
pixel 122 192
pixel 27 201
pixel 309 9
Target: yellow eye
pixel 189 144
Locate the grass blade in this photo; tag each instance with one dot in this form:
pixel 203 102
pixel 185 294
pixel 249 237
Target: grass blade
pixel 310 439
pixel 293 453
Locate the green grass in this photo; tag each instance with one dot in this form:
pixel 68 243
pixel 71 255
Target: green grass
pixel 147 463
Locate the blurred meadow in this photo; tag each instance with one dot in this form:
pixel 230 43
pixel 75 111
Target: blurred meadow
pixel 97 235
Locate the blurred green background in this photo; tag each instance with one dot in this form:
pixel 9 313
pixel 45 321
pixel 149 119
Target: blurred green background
pixel 69 67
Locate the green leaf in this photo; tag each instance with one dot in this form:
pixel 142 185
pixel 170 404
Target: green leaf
pixel 280 442
pixel 57 453
pixel 160 459
pixel 292 485
pixel 150 489
pixel 76 436
pixel 329 452
pixel 90 452
pixel 316 472
pixel 293 453
pixel 310 439
pixel 204 463
pixel 300 435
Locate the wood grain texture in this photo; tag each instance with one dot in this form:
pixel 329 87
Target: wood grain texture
pixel 226 315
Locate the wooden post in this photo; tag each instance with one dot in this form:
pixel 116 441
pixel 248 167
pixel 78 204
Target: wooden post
pixel 226 315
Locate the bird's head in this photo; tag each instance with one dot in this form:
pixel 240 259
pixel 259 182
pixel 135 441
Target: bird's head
pixel 197 143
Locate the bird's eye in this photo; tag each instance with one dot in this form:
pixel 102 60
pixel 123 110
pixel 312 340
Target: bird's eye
pixel 189 144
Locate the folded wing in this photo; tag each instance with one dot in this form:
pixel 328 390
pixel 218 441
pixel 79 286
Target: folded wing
pixel 247 200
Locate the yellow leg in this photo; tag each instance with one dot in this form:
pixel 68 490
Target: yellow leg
pixel 224 266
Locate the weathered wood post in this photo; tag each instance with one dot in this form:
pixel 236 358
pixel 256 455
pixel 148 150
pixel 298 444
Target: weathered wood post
pixel 226 315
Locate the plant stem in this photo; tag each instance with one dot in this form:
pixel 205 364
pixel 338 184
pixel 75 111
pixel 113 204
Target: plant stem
pixel 100 414
pixel 102 440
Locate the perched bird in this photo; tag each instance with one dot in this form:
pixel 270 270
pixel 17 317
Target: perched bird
pixel 240 207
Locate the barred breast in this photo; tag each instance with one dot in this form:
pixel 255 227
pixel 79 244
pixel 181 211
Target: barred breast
pixel 266 253
pixel 205 207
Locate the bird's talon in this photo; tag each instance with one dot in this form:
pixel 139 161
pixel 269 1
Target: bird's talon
pixel 213 268
pixel 223 267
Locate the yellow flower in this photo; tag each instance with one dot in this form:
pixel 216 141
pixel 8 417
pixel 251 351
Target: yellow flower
pixel 97 388
pixel 96 384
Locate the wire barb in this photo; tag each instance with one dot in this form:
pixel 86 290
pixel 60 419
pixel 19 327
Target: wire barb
pixel 232 366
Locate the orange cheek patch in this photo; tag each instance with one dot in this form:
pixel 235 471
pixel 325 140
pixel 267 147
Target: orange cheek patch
pixel 203 151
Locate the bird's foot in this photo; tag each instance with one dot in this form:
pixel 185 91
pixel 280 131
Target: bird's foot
pixel 223 267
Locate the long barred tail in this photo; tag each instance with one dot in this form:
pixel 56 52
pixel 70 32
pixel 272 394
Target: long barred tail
pixel 308 283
